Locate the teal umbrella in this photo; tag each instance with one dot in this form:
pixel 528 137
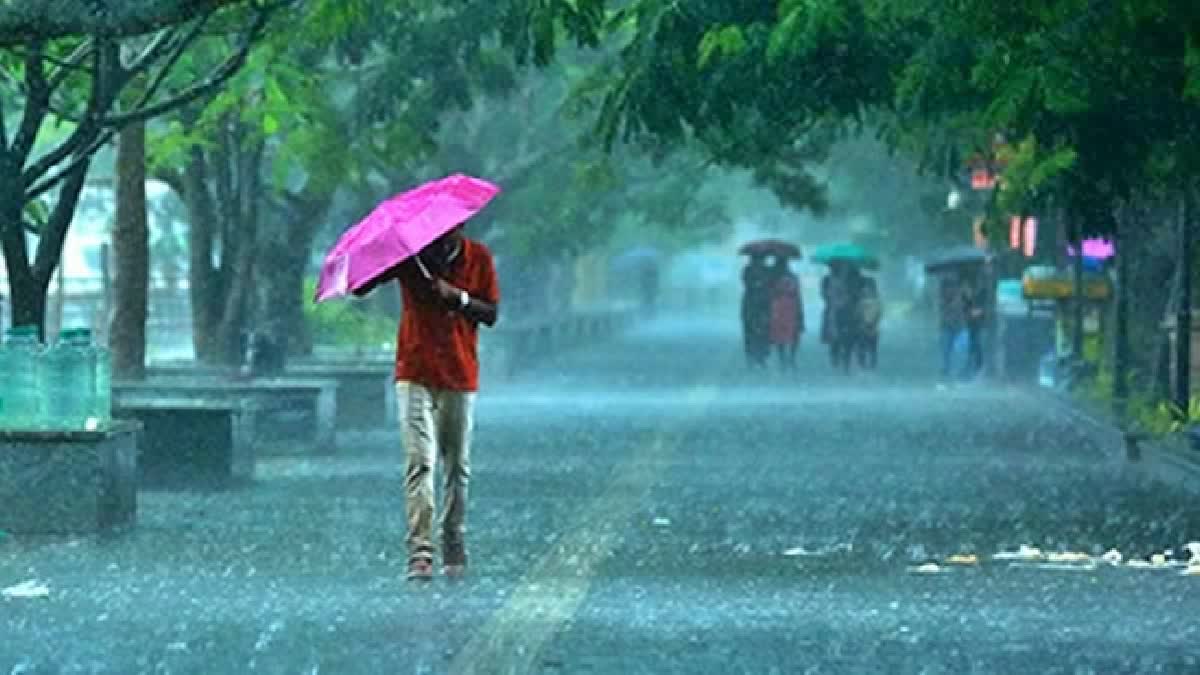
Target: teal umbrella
pixel 846 252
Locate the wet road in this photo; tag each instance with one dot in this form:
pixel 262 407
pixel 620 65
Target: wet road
pixel 647 507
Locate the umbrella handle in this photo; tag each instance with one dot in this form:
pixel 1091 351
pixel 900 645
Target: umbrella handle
pixel 423 269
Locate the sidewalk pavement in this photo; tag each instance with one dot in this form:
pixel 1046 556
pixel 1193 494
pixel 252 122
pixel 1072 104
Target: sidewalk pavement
pixel 1170 459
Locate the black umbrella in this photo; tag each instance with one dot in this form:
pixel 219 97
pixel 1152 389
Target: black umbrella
pixel 956 258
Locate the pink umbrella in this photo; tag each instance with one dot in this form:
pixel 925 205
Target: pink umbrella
pixel 398 229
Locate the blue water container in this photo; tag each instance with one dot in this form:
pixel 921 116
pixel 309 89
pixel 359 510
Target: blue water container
pixel 100 414
pixel 70 379
pixel 21 387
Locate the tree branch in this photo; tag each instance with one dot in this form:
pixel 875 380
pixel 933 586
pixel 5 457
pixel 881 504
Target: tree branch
pixel 33 20
pixel 87 128
pixel 215 80
pixel 84 157
pixel 72 63
pixel 37 100
pixel 49 250
pixel 177 48
pixel 172 177
pixel 153 51
pixel 88 134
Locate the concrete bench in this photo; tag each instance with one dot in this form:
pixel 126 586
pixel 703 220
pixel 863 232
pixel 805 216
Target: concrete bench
pixel 366 394
pixel 190 440
pixel 68 482
pixel 299 411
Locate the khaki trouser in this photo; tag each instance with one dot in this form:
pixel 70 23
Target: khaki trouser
pixel 436 422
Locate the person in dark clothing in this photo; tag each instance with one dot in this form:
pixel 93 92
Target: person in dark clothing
pixel 974 311
pixel 841 289
pixel 756 310
pixel 951 319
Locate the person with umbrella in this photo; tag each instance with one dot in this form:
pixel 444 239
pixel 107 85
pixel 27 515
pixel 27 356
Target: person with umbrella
pixel 870 310
pixel 787 312
pixel 756 308
pixel 952 319
pixel 841 291
pixel 964 273
pixel 448 287
pixel 758 281
pixel 975 307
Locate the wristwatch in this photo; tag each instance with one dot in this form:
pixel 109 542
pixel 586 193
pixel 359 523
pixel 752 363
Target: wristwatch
pixel 464 299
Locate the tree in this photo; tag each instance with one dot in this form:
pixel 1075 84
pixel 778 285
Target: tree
pixel 97 84
pixel 131 249
pixel 349 95
pixel 1100 97
pixel 764 86
pixel 25 22
pixel 564 196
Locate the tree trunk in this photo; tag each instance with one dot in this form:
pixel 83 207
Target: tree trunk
pixel 204 283
pixel 1183 322
pixel 28 299
pixel 29 283
pixel 25 307
pixel 282 263
pixel 1120 392
pixel 131 245
pixel 1077 299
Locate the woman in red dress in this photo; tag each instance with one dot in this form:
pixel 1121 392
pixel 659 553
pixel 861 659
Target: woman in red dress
pixel 787 312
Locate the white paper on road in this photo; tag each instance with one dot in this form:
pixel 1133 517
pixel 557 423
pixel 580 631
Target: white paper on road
pixel 27 589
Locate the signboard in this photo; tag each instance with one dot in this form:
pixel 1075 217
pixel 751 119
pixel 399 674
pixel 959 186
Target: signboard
pixel 1097 249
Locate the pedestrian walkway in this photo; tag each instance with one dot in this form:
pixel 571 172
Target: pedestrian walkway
pixel 648 507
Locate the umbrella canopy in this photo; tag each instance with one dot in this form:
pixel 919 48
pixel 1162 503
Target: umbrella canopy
pixel 846 252
pixel 955 258
pixel 776 247
pixel 398 229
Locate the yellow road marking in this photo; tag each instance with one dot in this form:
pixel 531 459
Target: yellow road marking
pixel 551 593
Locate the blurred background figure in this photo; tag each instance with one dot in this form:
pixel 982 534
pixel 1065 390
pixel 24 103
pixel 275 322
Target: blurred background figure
pixel 787 312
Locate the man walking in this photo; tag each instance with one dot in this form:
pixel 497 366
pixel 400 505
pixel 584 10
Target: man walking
pixel 974 309
pixel 952 321
pixel 447 290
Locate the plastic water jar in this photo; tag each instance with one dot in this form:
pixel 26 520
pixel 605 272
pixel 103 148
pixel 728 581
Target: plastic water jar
pixel 21 388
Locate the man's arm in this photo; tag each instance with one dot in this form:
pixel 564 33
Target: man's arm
pixel 363 292
pixel 479 311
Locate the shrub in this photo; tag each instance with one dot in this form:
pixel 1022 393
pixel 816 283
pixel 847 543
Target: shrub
pixel 346 323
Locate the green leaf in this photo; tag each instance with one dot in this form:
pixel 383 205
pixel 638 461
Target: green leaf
pixel 784 36
pixel 726 41
pixel 270 124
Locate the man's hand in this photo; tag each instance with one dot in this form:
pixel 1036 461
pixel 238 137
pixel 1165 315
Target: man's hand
pixel 449 293
pixel 474 309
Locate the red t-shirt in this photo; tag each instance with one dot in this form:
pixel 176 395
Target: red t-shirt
pixel 437 346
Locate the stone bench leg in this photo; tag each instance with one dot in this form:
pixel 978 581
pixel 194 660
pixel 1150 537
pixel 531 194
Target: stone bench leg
pixel 326 421
pixel 195 447
pixel 70 486
pixel 243 459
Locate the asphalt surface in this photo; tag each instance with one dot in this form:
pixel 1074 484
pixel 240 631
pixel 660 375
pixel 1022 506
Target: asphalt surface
pixel 647 506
